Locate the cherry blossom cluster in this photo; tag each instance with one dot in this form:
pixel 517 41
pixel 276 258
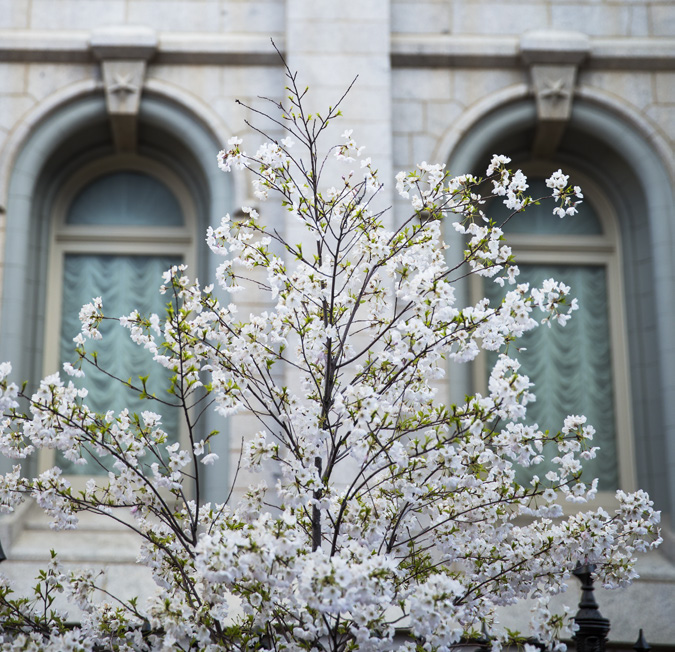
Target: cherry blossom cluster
pixel 566 195
pixel 395 516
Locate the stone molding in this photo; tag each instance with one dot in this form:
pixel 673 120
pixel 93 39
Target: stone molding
pixel 123 52
pixel 33 46
pixel 123 42
pixel 443 50
pixel 407 50
pixel 553 59
pixel 554 47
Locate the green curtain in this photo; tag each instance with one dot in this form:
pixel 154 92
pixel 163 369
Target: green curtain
pixel 571 366
pixel 125 283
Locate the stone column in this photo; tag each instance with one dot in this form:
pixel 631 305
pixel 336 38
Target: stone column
pixel 331 43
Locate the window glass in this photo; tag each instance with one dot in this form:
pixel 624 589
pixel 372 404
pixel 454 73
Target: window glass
pixel 126 280
pixel 127 199
pixel 540 220
pixel 571 366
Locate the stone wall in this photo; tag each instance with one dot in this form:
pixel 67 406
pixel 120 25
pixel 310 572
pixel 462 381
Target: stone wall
pixel 429 71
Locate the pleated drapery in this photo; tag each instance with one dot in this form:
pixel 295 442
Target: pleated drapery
pixel 571 366
pixel 125 283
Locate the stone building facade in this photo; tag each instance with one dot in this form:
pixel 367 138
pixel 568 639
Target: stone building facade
pixel 142 92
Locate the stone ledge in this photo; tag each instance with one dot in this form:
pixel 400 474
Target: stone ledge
pixel 407 50
pixel 233 49
pixel 123 42
pixel 436 51
pixel 75 545
pixel 632 54
pixel 554 47
pixel 43 45
pixel 29 46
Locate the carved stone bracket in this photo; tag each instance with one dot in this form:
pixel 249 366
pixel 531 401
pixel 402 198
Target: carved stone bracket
pixel 123 52
pixel 553 59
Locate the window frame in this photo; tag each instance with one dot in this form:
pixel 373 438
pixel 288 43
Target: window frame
pixel 108 240
pixel 588 250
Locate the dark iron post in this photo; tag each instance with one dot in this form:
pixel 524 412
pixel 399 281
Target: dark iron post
pixel 484 640
pixel 641 644
pixel 593 628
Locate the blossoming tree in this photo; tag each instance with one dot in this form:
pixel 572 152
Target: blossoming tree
pixel 398 516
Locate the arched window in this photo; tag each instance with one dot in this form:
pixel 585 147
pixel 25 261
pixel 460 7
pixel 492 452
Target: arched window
pixel 626 182
pixel 117 227
pixel 581 367
pixel 68 149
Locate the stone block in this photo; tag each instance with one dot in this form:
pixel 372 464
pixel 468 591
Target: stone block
pixel 402 152
pixel 348 11
pixel 202 81
pixel 499 18
pixel 421 17
pixel 428 83
pixel 339 71
pixel 401 209
pixel 251 80
pixel 638 21
pixel 253 16
pixel 664 86
pixel 13 14
pixel 664 117
pixel 635 88
pixel 243 425
pixel 76 14
pixel 367 103
pixel 126 42
pixel 594 20
pixel 179 15
pixel 554 47
pixel 374 134
pixel 13 77
pixel 441 116
pixel 408 116
pixel 13 108
pixel 423 148
pixel 473 85
pixel 662 19
pixel 44 79
pixel 329 37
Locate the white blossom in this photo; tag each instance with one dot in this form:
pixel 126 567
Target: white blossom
pixel 385 505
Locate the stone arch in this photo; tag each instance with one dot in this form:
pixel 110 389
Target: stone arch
pixel 68 133
pixel 626 157
pixel 455 134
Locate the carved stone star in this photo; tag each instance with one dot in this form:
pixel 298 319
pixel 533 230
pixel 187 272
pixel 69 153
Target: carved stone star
pixel 122 85
pixel 554 89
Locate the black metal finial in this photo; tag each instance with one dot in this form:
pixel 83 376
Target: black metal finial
pixel 641 644
pixel 593 628
pixel 484 639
